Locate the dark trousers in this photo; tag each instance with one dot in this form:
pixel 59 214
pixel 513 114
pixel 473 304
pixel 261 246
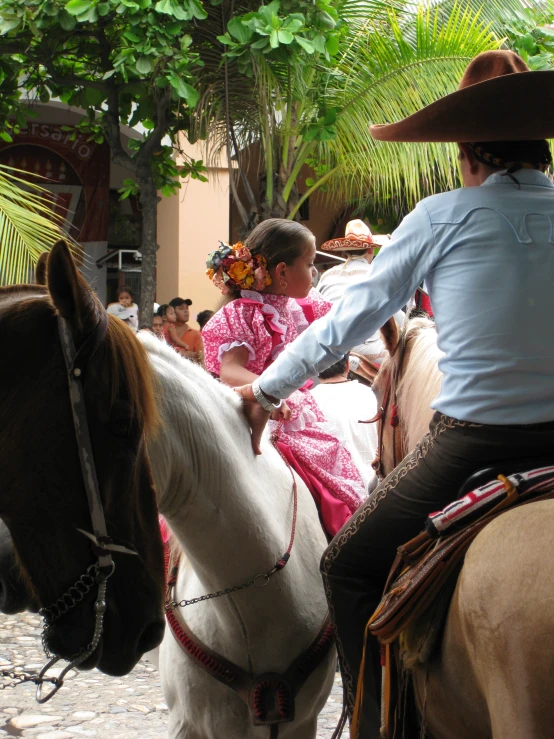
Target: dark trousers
pixel 356 564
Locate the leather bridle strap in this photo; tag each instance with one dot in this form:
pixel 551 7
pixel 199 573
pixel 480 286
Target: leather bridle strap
pixel 75 361
pixel 98 573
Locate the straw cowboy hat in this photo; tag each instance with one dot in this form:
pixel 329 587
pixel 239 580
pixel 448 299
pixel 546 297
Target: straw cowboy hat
pixel 357 237
pixel 498 99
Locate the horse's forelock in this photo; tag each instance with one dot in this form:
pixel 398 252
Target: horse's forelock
pixel 129 362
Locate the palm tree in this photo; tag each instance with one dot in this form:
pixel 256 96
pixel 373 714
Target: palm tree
pixel 277 115
pixel 28 227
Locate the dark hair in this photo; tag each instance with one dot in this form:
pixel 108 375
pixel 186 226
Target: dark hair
pixel 279 240
pixel 176 302
pixel 339 368
pixel 157 314
pixel 125 289
pixel 162 310
pixel 512 155
pixel 203 317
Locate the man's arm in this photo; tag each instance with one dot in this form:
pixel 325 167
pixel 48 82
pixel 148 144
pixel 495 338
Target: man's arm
pixel 364 308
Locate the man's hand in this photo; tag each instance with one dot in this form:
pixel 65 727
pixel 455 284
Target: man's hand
pixel 256 416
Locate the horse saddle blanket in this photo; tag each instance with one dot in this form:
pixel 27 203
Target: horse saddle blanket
pixel 427 563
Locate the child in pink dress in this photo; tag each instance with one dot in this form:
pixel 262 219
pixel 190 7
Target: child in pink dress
pixel 267 276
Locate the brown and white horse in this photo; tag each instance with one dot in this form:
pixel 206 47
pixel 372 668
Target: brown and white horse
pixel 232 514
pixel 43 498
pixel 494 674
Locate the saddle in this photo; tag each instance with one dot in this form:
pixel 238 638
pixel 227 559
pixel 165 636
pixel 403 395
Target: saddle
pixel 425 571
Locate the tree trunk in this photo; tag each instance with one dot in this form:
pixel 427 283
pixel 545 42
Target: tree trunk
pixel 149 246
pixel 279 208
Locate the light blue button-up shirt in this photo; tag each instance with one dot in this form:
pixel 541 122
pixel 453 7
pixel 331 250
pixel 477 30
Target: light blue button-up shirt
pixel 487 255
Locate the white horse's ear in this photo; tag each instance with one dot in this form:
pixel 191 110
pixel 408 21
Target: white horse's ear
pixel 389 333
pixel 71 294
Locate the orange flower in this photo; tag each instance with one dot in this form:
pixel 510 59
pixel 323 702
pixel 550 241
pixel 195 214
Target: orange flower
pixel 210 273
pixel 239 272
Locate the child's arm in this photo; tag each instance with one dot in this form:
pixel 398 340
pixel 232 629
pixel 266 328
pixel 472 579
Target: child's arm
pixel 172 331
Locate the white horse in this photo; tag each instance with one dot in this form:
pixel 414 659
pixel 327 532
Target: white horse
pixel 231 513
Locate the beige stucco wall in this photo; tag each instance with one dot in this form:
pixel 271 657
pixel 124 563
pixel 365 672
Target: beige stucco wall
pixel 190 224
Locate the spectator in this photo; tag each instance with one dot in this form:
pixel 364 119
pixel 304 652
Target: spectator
pixel 158 325
pixel 357 248
pixel 344 403
pixel 203 317
pixel 185 333
pixel 125 309
pixel 169 317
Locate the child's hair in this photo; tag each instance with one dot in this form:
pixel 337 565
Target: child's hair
pixel 162 310
pixel 203 317
pixel 279 240
pixel 125 289
pixel 246 266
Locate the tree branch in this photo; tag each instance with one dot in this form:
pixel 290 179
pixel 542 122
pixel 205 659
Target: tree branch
pixel 160 129
pixel 113 131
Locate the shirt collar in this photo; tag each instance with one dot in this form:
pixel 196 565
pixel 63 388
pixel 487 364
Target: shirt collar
pixel 524 176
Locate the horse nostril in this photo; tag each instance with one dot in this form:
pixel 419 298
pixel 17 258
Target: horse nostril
pixel 151 637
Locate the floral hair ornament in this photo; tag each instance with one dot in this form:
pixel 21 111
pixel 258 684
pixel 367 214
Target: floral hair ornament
pixel 235 266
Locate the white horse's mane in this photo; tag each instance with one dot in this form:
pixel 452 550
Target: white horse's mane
pixel 198 408
pixel 420 380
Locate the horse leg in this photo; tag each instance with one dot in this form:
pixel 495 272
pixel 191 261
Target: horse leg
pixel 447 690
pixel 518 683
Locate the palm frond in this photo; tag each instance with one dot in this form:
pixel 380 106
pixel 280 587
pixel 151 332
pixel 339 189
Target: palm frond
pixel 28 227
pixel 498 12
pixel 384 75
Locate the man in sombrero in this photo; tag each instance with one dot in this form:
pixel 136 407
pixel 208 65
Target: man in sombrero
pixel 357 248
pixel 486 252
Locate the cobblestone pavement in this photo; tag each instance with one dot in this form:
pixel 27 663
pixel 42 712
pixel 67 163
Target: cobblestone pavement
pixel 94 705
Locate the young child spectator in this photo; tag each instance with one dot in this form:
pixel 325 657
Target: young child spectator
pixel 125 309
pixel 167 313
pixel 203 317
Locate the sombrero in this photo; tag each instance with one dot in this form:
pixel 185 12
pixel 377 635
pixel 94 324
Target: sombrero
pixel 357 237
pixel 498 99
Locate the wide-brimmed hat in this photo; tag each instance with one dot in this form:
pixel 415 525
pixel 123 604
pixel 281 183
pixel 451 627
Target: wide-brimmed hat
pixel 498 99
pixel 357 237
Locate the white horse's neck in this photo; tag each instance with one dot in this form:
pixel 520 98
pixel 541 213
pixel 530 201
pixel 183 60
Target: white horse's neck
pixel 230 511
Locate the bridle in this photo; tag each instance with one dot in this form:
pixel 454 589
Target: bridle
pixel 98 573
pixel 390 399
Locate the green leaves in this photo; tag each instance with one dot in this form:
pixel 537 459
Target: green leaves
pixel 286 31
pixel 183 90
pixel 78 7
pixel 324 129
pixel 532 40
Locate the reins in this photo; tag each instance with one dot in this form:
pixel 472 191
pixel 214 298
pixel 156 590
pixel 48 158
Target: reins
pixel 270 697
pixel 261 579
pixel 391 390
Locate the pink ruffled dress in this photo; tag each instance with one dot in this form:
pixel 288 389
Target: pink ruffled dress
pixel 264 325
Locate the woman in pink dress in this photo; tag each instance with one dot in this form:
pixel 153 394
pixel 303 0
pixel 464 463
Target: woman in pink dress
pixel 269 279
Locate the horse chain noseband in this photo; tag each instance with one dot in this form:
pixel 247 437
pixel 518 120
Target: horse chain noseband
pixel 98 573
